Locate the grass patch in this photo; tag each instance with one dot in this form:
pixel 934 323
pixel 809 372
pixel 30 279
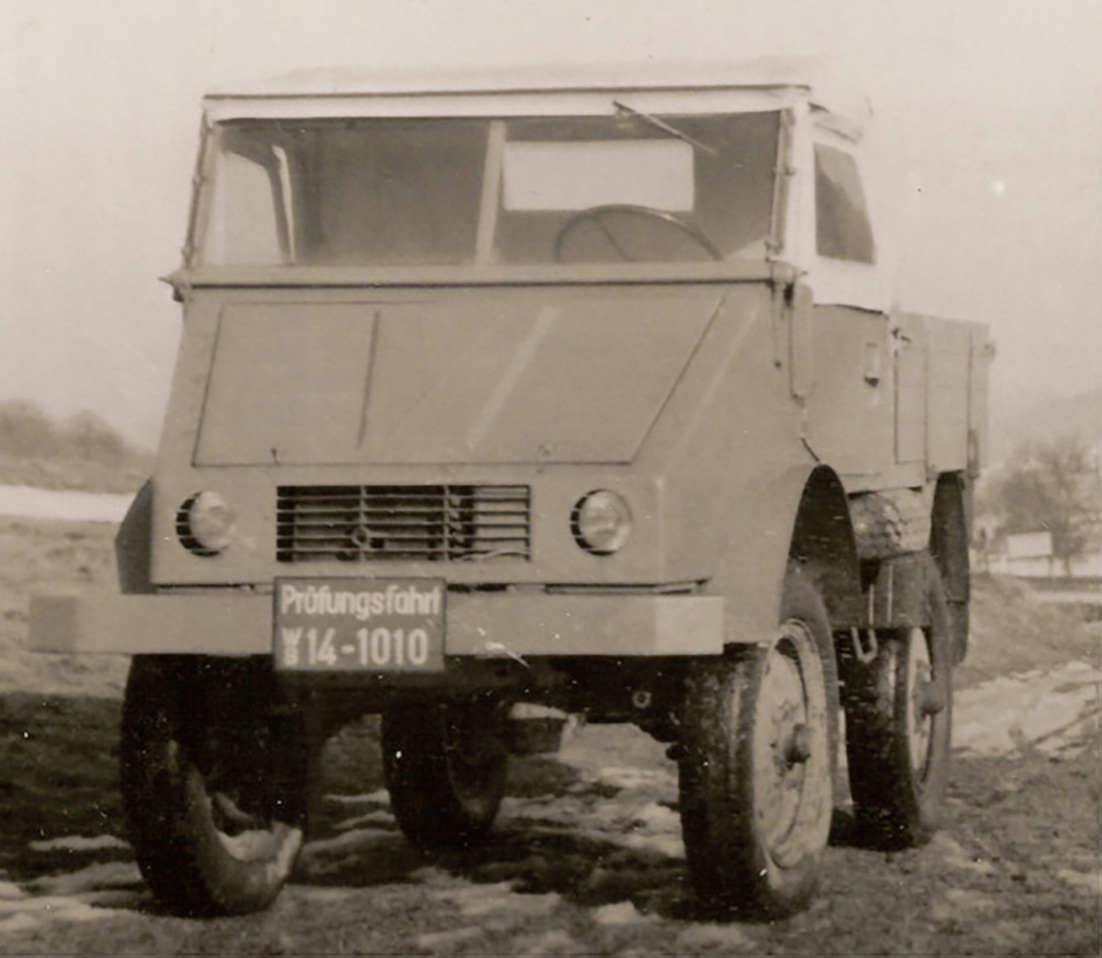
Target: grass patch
pixel 1013 632
pixel 60 761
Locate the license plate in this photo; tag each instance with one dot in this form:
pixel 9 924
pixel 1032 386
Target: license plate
pixel 359 625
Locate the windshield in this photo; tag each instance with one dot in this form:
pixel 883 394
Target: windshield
pixel 454 192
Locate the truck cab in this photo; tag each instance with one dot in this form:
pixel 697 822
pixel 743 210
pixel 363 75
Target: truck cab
pixel 499 393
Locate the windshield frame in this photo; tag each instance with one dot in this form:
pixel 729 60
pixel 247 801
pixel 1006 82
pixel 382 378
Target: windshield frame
pixel 482 270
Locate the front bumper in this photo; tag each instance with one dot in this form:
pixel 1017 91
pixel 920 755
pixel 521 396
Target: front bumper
pixel 478 624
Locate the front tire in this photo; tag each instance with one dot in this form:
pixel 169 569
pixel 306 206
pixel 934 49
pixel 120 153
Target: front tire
pixel 213 787
pixel 899 713
pixel 758 762
pixel 445 768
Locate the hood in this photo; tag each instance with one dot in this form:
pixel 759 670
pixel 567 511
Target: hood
pixel 580 376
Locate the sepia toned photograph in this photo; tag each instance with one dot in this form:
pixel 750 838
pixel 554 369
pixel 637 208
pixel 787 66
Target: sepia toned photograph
pixel 513 477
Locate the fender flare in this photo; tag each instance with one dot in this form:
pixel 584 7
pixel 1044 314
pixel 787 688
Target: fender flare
pixel 134 544
pixel 950 534
pixel 801 517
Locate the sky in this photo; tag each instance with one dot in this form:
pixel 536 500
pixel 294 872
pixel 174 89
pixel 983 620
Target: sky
pixel 987 119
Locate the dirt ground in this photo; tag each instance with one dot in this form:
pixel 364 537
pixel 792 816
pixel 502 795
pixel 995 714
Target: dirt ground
pixel 587 856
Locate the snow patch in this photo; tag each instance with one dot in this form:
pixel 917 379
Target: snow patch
pixel 380 819
pixel 378 797
pixel 1050 711
pixel 712 936
pixel 658 817
pixel 351 840
pixel 669 845
pixel 625 777
pixel 29 502
pixel 79 843
pixel 31 912
pixel 106 875
pixel 619 913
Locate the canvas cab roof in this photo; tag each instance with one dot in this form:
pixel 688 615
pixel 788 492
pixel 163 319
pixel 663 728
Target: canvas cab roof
pixel 755 85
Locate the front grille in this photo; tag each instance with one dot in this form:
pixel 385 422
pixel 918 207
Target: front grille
pixel 403 523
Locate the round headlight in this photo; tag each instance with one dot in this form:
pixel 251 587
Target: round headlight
pixel 205 523
pixel 601 522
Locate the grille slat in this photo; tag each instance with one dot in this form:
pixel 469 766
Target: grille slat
pixel 398 523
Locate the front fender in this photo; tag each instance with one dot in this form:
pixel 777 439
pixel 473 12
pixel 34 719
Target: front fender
pixel 134 545
pixel 799 516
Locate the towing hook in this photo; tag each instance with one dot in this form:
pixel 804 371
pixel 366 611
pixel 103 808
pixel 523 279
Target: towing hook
pixel 864 651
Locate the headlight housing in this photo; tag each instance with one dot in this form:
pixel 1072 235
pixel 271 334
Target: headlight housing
pixel 601 522
pixel 205 524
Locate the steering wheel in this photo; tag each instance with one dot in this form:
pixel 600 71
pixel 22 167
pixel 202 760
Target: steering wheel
pixel 598 214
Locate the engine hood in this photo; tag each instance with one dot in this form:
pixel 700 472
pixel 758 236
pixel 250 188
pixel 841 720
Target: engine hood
pixel 577 376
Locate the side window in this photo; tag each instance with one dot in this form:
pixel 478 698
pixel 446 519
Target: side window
pixel 842 227
pixel 244 223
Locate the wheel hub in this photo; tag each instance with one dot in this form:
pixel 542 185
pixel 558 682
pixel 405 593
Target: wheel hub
pixel 797 749
pixel 788 743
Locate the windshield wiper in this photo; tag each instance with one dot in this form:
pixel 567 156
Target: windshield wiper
pixel 665 127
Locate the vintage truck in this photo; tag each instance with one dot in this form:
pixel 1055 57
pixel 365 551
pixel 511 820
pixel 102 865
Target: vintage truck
pixel 506 392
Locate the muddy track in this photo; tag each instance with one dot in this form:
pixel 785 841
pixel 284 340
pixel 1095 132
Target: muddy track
pixel 586 857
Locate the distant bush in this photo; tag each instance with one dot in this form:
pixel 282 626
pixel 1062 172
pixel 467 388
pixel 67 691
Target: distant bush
pixel 26 432
pixel 82 452
pixel 89 437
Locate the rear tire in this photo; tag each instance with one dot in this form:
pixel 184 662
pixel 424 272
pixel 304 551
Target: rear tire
pixel 445 767
pixel 899 712
pixel 212 787
pixel 758 762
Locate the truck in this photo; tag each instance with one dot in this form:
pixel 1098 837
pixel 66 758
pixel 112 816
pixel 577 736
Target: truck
pixel 504 397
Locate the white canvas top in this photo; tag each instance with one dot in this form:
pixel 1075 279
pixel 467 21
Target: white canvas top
pixel 760 84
